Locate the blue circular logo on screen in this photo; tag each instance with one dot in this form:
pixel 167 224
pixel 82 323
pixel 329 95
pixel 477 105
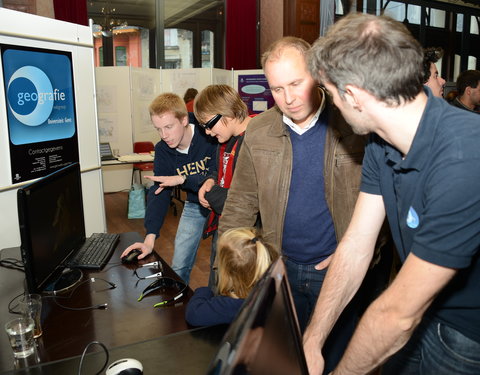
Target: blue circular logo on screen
pixel 412 218
pixel 30 96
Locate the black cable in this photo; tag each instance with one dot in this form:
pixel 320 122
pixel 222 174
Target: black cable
pixel 101 306
pixel 85 351
pixel 11 309
pixel 12 263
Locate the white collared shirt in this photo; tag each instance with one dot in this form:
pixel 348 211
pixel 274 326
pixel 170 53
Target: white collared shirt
pixel 297 129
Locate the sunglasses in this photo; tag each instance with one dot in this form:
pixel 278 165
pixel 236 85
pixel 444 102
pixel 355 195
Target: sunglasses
pixel 211 123
pixel 166 285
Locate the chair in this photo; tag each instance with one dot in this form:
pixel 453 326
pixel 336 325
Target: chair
pixel 138 148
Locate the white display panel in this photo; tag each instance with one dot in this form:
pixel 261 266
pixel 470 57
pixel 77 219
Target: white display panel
pixel 75 41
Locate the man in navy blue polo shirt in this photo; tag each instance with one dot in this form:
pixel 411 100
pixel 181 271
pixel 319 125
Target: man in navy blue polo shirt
pixel 422 170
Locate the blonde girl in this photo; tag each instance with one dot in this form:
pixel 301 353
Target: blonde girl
pixel 242 258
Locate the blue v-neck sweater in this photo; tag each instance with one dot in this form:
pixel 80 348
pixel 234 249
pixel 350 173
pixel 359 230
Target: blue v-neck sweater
pixel 308 233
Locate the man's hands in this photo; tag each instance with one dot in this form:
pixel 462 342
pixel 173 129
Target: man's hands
pixel 313 353
pixel 145 247
pixel 166 181
pixel 206 187
pixel 311 344
pixel 324 263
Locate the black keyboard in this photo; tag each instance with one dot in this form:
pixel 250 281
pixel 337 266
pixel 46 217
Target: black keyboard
pixel 95 252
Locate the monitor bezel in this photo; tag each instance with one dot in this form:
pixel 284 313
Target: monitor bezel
pixel 27 248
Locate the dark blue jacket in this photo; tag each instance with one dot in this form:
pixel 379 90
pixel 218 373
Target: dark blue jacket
pixel 169 162
pixel 206 309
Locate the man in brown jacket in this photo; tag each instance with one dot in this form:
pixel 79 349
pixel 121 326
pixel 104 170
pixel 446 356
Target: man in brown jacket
pixel 299 172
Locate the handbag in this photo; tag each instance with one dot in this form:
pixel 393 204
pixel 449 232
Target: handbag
pixel 136 202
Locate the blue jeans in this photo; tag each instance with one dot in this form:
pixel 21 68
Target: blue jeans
pixel 435 348
pixel 305 283
pixel 187 239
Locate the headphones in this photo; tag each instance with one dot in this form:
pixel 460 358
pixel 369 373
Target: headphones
pixel 165 284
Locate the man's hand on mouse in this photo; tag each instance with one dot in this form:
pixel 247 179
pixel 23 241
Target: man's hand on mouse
pixel 144 248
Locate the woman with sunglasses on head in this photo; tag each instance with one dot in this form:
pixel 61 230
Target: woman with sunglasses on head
pixel 243 257
pixel 224 115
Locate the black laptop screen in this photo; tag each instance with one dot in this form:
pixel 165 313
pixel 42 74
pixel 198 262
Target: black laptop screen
pixel 50 213
pixel 106 151
pixel 265 337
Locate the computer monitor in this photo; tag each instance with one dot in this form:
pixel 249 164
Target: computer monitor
pixel 52 227
pixel 106 151
pixel 265 336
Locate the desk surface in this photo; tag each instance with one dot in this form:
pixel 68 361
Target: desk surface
pixel 130 159
pixel 66 333
pixel 187 352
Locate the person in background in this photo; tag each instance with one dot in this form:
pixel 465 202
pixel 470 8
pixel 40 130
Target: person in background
pixel 189 98
pixel 451 96
pixel 298 172
pixel 431 77
pixel 422 171
pixel 223 114
pixel 243 257
pixel 182 158
pixel 468 87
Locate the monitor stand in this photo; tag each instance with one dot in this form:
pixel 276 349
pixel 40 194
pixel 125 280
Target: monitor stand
pixel 67 280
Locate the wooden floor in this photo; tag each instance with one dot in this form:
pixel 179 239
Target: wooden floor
pixel 117 222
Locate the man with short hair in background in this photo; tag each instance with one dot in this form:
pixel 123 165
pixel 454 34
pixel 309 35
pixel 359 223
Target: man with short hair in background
pixel 432 78
pixel 468 87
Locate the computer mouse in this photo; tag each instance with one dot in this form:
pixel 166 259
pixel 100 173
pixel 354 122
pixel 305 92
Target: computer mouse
pixel 131 256
pixel 125 366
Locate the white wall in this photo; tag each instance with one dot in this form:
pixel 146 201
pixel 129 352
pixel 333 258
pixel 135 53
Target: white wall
pixel 114 102
pixel 24 29
pixel 146 85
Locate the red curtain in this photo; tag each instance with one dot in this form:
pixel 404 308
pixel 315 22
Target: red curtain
pixel 74 11
pixel 241 34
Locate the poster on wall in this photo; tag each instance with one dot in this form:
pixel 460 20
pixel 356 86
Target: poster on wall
pixel 41 116
pixel 255 92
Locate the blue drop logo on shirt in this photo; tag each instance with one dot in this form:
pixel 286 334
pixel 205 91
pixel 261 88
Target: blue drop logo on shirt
pixel 412 218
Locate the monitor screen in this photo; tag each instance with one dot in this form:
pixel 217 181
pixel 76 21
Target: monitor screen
pixel 265 336
pixel 105 150
pixel 50 214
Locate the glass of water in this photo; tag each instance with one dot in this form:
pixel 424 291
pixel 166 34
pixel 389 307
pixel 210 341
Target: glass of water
pixel 20 334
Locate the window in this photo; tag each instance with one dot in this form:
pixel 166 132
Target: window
pixel 396 11
pixel 437 18
pixel 207 49
pixel 120 56
pixel 178 48
pixel 192 30
pixel 171 37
